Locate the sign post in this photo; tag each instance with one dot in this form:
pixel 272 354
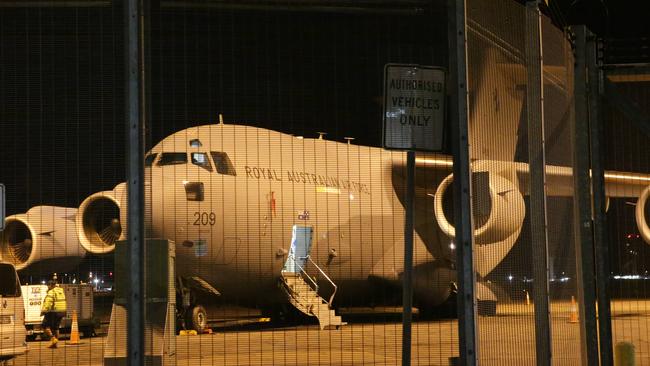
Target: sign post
pixel 414 99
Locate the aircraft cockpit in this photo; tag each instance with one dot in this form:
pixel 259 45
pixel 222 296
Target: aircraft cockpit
pixel 220 160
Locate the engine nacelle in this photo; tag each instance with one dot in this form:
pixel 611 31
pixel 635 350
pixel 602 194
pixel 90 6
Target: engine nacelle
pixel 44 233
pixel 101 220
pixel 639 214
pixel 496 233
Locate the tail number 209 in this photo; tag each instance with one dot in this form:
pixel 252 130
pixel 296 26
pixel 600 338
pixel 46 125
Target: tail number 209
pixel 205 218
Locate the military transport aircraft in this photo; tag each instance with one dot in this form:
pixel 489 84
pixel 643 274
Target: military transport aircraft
pixel 262 217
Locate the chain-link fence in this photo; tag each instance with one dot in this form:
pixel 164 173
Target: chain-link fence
pixel 274 218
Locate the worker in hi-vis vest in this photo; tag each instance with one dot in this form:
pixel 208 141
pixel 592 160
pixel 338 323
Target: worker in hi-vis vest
pixel 53 309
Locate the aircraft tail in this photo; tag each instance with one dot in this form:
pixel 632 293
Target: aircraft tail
pixel 495 109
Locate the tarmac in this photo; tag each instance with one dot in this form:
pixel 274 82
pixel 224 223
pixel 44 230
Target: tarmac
pixel 505 339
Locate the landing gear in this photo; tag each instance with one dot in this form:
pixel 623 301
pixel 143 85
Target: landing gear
pixel 196 318
pixel 190 294
pixel 446 310
pixel 191 316
pixel 486 302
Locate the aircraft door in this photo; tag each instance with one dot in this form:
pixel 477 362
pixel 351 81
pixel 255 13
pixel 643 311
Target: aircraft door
pixel 301 238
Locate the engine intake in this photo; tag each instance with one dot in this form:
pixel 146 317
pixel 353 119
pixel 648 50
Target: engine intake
pixel 639 215
pixel 506 214
pixel 43 233
pixel 497 230
pixel 100 218
pixel 16 241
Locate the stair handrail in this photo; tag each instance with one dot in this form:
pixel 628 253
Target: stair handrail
pixel 305 272
pixel 327 277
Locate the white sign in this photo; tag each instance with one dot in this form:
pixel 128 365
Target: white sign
pixel 414 100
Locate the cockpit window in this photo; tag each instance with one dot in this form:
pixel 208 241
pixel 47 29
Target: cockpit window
pixel 148 161
pixel 172 158
pixel 223 163
pixel 201 159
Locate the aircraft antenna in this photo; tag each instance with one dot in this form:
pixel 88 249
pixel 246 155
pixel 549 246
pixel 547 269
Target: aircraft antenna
pixel 321 134
pixel 349 139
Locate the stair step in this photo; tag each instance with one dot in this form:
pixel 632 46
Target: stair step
pixel 309 301
pixel 302 288
pixel 321 310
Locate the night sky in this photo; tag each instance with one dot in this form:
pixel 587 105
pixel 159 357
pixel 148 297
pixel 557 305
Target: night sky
pixel 296 72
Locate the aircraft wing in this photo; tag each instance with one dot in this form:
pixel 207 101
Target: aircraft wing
pixel 559 179
pixel 499 188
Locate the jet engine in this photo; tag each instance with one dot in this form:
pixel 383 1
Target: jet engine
pixel 44 233
pixel 498 217
pixel 639 214
pixel 101 220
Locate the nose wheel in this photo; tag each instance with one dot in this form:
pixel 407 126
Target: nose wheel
pixel 196 318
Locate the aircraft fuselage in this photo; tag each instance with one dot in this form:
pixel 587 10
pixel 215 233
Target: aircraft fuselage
pixel 232 218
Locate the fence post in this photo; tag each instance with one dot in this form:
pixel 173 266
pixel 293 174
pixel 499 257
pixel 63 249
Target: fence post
pixel 598 189
pixel 458 120
pixel 135 120
pixel 537 171
pixel 582 221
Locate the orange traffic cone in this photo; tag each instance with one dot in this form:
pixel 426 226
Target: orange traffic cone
pixel 573 316
pixel 74 331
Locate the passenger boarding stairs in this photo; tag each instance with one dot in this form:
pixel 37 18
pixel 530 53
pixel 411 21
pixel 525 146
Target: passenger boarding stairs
pixel 303 295
pixel 300 287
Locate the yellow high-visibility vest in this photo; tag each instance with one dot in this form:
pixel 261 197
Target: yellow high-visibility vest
pixel 55 301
